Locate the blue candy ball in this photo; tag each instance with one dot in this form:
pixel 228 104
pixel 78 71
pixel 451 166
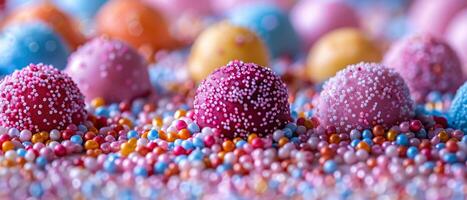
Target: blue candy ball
pixel 32 42
pixel 458 110
pixel 271 24
pixel 84 12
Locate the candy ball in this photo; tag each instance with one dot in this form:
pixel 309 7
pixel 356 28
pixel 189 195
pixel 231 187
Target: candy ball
pixel 40 98
pixel 458 110
pixel 220 44
pixel 456 35
pixel 224 6
pixel 313 19
pixel 55 18
pixel 176 8
pixel 109 69
pixel 271 24
pixel 426 64
pixel 433 17
pixel 84 12
pixel 31 42
pixel 139 25
pixel 336 50
pixel 242 98
pixel 362 96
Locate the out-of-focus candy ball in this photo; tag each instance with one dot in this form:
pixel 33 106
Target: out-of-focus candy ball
pixel 83 11
pixel 362 96
pixel 40 98
pixel 224 6
pixel 109 69
pixel 314 18
pixel 31 42
pixel 176 8
pixel 242 98
pixel 458 110
pixel 138 24
pixel 55 18
pixel 426 64
pixel 456 35
pixel 271 24
pixel 220 44
pixel 336 50
pixel 432 16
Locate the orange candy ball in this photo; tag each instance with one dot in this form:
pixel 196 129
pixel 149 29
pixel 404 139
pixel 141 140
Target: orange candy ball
pixel 91 144
pixel 364 146
pixel 8 145
pixel 52 16
pixel 137 24
pixel 228 145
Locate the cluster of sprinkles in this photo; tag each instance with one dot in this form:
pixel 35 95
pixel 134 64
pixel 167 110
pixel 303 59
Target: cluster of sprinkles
pixel 147 150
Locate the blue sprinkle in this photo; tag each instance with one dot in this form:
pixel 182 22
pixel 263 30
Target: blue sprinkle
pixel 36 190
pixel 178 142
pixel 77 139
pixel 82 128
pixel 330 166
pixel 292 126
pixel 367 134
pixel 160 167
pixel 240 143
pixel 140 171
pixel 287 132
pixel 198 142
pixel 368 141
pixel 440 146
pixel 412 152
pixel 153 134
pixel 102 111
pixel 179 158
pixel 422 134
pixel 355 142
pixel 188 145
pixel 196 155
pixel 132 134
pixel 41 161
pixel 110 166
pixel 402 139
pixel 193 128
pixel 21 152
pixel 450 158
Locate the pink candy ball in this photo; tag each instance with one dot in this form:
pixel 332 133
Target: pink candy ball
pixel 314 18
pixel 242 98
pixel 222 7
pixel 175 8
pixel 426 64
pixel 433 16
pixel 109 69
pixel 40 98
pixel 456 35
pixel 364 95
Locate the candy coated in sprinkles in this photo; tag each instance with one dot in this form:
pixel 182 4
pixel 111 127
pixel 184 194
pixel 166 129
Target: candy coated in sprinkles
pixel 242 98
pixel 426 64
pixel 364 95
pixel 40 98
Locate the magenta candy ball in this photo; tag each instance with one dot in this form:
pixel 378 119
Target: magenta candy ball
pixel 433 16
pixel 314 18
pixel 456 35
pixel 242 98
pixel 364 95
pixel 426 64
pixel 109 69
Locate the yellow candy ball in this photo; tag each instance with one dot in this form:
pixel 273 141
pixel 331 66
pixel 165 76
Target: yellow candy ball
pixel 222 43
pixel 337 49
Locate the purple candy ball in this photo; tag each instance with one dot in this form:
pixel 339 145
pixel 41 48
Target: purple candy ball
pixel 242 98
pixel 364 95
pixel 426 64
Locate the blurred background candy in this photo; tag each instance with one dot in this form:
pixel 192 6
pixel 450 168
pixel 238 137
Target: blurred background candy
pixel 271 24
pixel 222 43
pixel 224 6
pixel 337 49
pixel 314 18
pixel 82 11
pixel 456 35
pixel 109 69
pixel 139 25
pixel 54 17
pixel 433 16
pixel 31 42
